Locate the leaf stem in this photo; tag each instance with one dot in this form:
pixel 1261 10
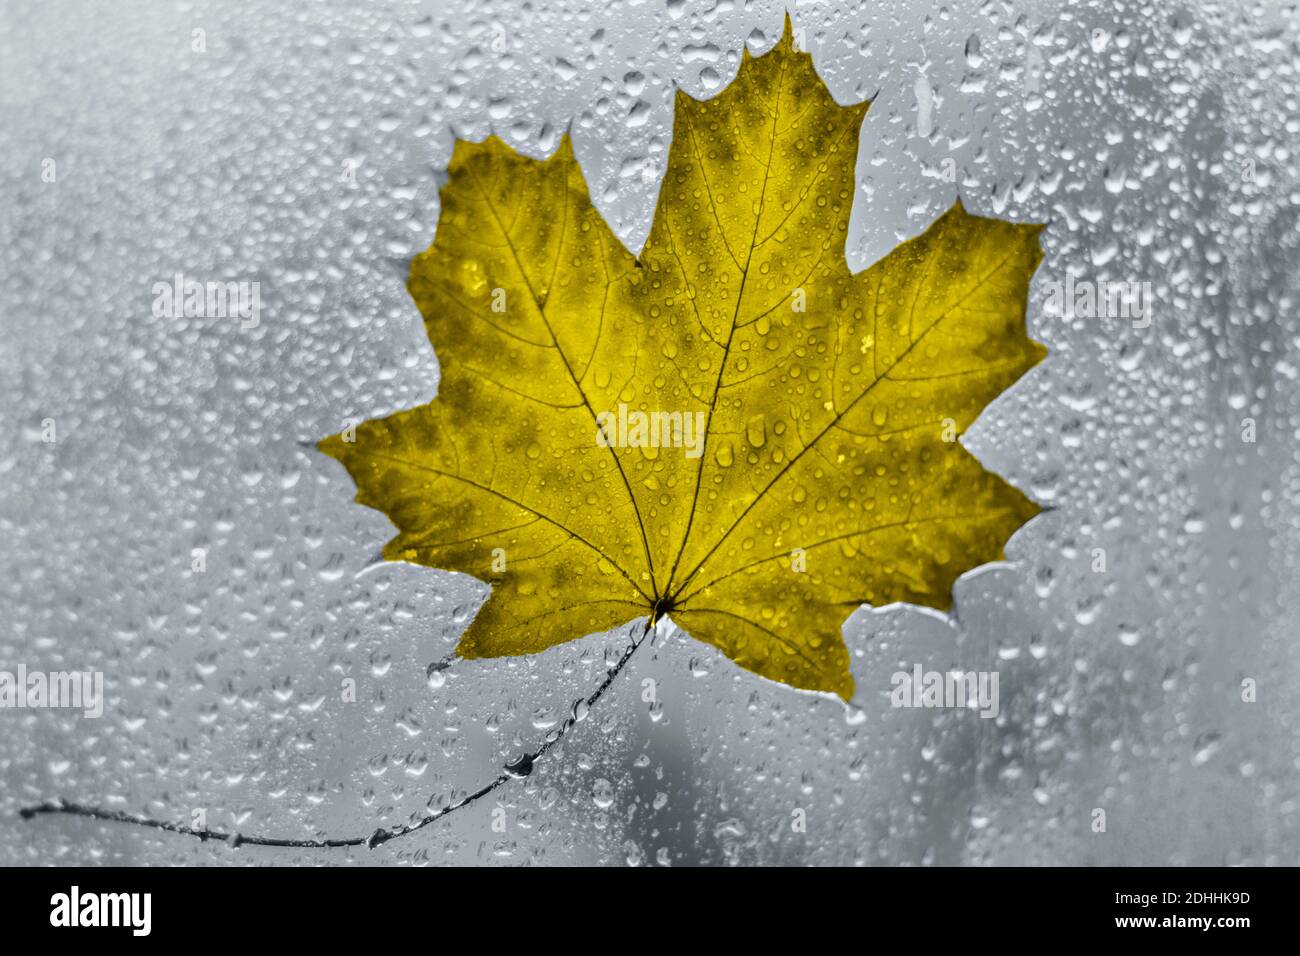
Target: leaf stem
pixel 515 770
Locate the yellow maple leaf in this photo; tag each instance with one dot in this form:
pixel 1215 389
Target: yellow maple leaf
pixel 732 428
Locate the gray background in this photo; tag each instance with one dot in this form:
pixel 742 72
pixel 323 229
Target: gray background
pixel 1132 129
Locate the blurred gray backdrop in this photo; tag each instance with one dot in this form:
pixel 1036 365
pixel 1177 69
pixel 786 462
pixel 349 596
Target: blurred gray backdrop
pixel 300 146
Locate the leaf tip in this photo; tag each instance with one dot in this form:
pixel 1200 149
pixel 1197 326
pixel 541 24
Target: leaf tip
pixel 330 446
pixel 786 43
pixel 845 687
pixel 564 150
pixel 1039 352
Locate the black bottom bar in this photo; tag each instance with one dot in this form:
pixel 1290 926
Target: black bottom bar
pixel 336 905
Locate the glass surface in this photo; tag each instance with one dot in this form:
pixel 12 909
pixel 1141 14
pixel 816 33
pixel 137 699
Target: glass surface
pixel 1144 630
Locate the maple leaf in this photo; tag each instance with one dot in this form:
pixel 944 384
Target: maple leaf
pixel 731 428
